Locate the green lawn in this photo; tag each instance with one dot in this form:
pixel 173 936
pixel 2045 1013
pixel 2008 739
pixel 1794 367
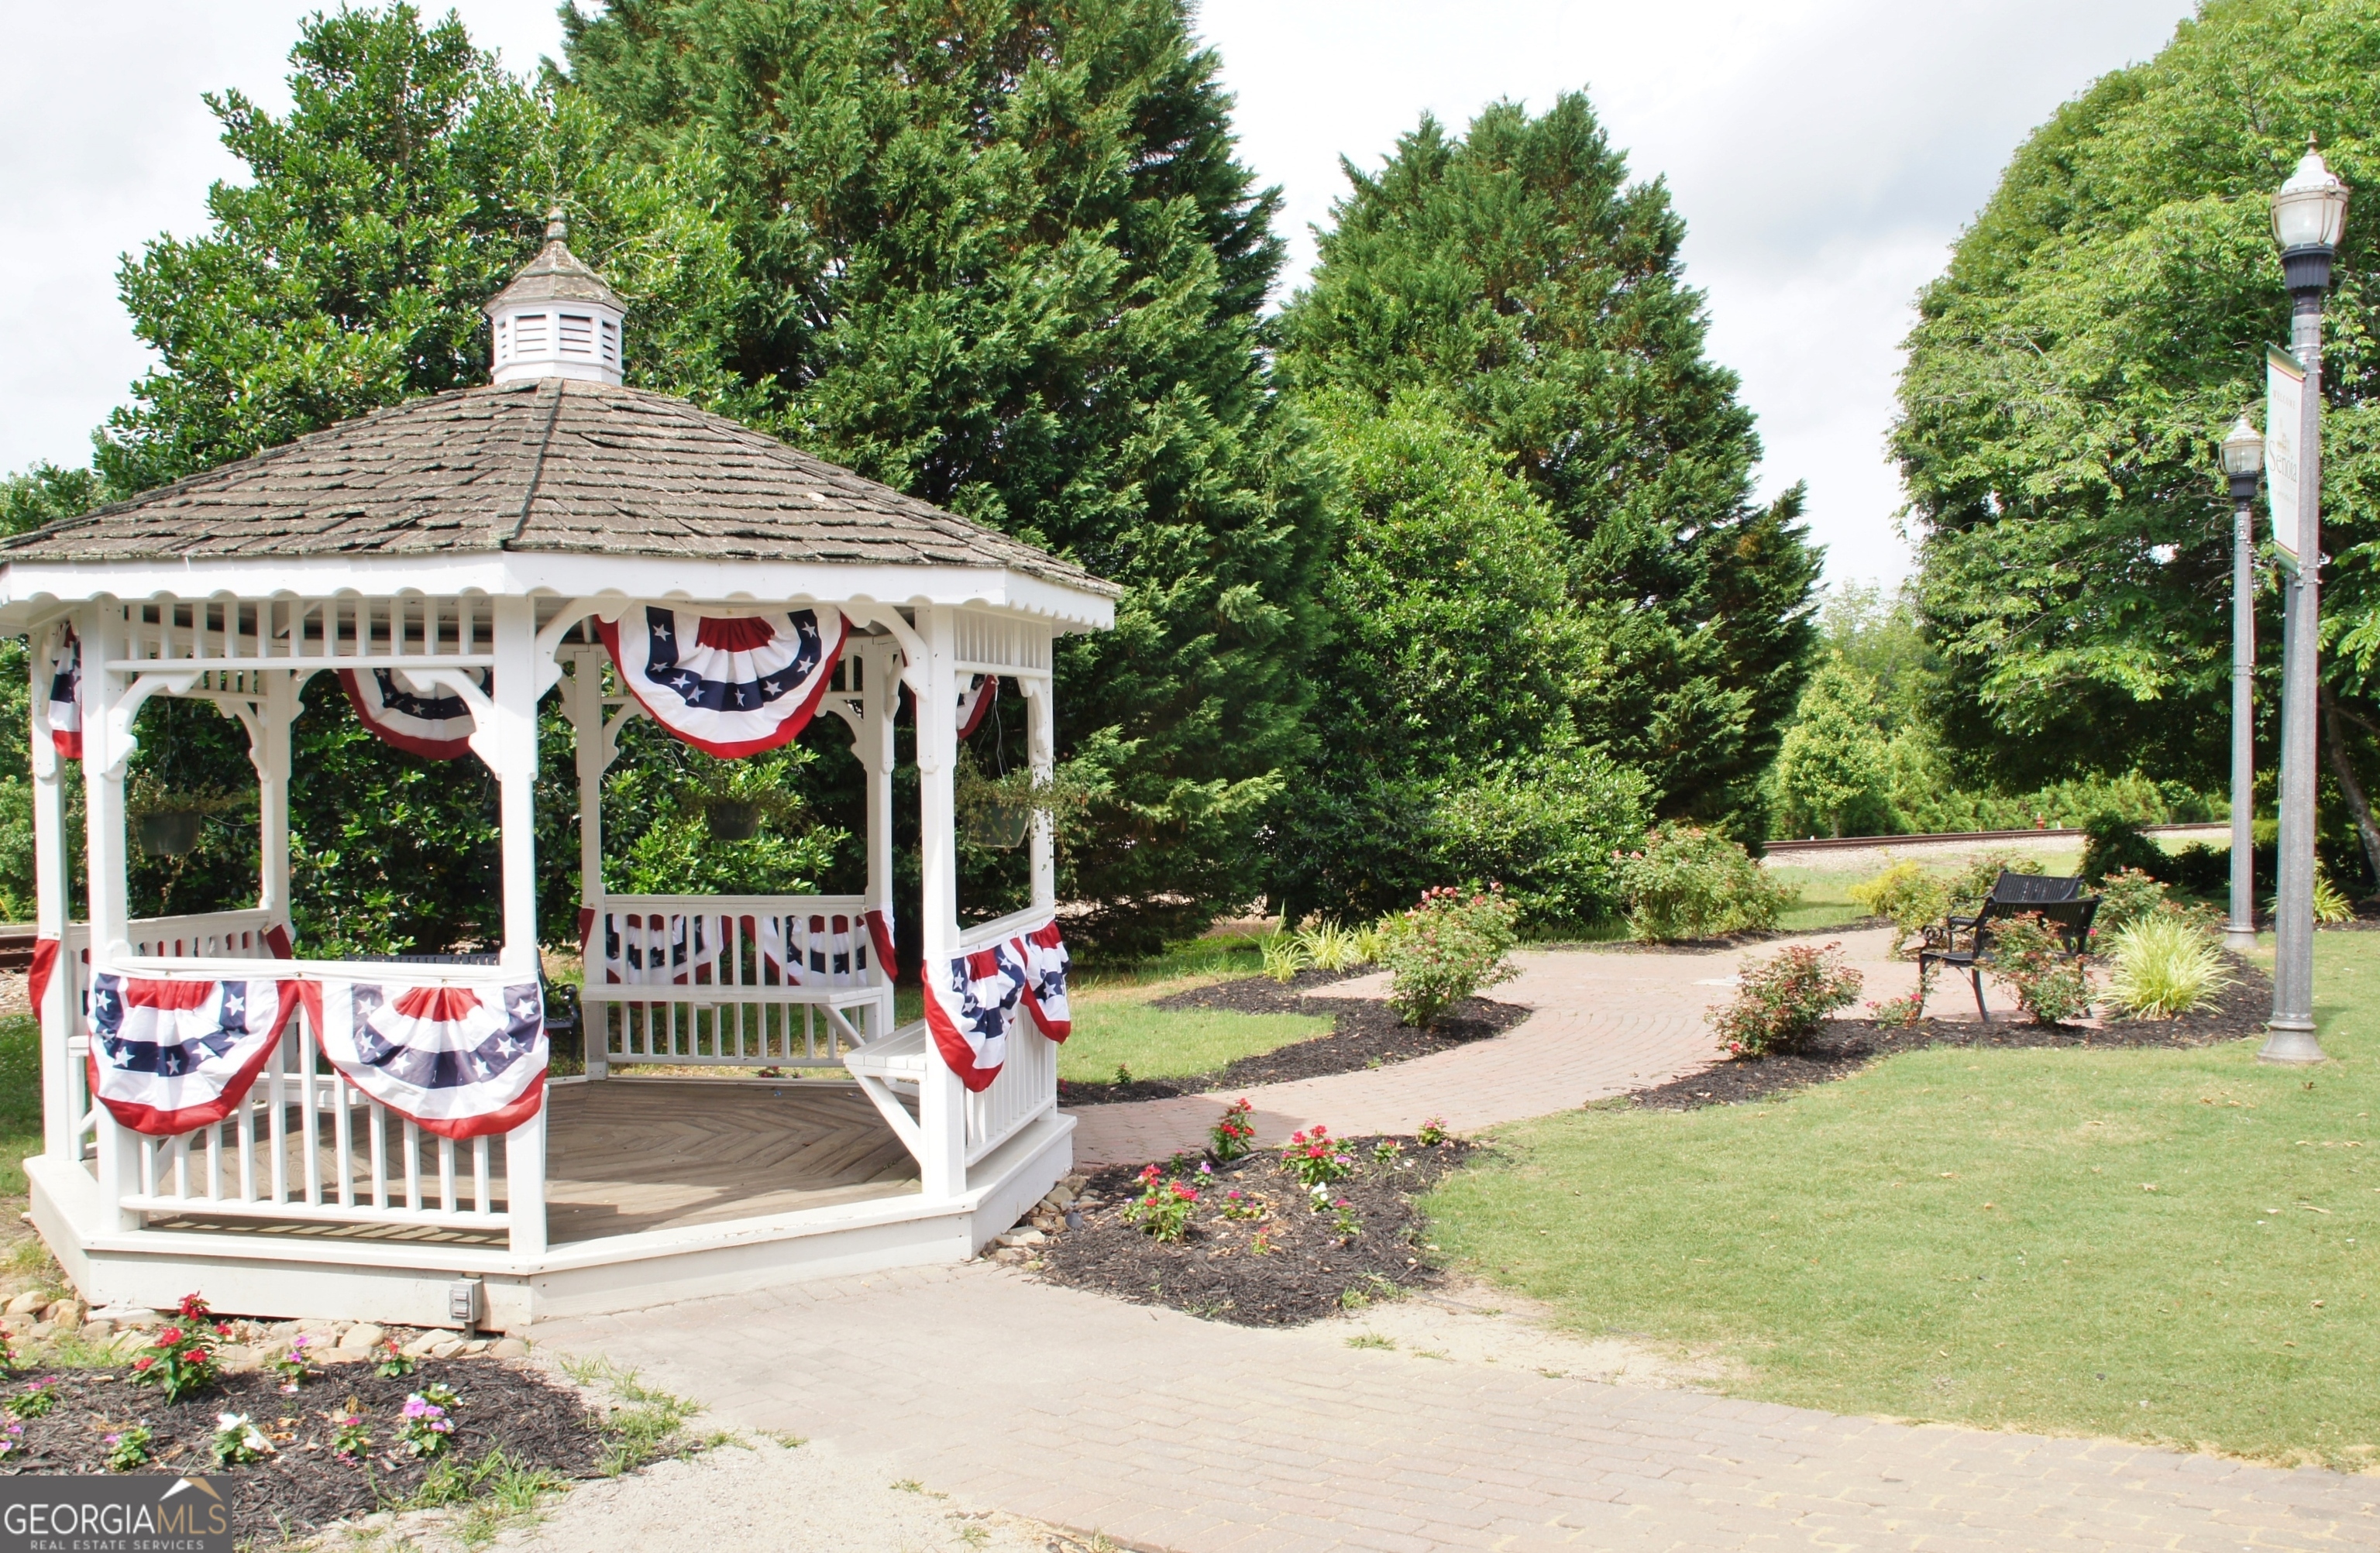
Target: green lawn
pixel 2170 1246
pixel 1121 1029
pixel 1826 897
pixel 21 1099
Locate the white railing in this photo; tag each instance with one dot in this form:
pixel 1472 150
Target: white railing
pixel 225 638
pixel 731 981
pixel 1027 1087
pixel 215 935
pixel 305 1144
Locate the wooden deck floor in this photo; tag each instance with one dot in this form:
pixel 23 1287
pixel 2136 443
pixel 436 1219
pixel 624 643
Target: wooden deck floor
pixel 630 1154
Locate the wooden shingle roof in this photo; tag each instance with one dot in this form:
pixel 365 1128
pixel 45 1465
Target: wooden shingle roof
pixel 553 465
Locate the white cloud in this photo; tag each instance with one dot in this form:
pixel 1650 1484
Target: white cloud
pixel 1823 153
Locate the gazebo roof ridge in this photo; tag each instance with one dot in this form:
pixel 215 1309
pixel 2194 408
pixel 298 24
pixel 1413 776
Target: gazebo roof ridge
pixel 551 465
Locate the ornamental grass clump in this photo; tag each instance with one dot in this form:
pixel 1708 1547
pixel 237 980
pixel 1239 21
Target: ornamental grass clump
pixel 1163 1208
pixel 1911 898
pixel 1781 1000
pixel 2163 965
pixel 1284 956
pixel 1330 947
pixel 1447 949
pixel 2029 957
pixel 1686 883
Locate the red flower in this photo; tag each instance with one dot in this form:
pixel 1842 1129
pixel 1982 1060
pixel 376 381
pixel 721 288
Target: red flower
pixel 143 1364
pixel 196 1356
pixel 169 1337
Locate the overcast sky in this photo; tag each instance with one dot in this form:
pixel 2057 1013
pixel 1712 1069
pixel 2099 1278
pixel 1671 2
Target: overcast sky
pixel 1825 154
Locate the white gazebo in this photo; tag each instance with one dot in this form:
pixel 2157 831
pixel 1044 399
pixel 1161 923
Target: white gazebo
pixel 301 1136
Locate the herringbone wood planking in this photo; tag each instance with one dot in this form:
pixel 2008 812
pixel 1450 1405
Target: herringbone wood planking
pixel 625 1155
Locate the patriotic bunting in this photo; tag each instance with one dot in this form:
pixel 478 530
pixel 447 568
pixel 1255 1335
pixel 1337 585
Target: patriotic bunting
pixel 168 1056
pixel 975 700
pixel 459 1061
pixel 638 948
pixel 727 684
pixel 1043 952
pixel 65 707
pixel 37 978
pixel 880 932
pixel 970 1009
pixel 420 720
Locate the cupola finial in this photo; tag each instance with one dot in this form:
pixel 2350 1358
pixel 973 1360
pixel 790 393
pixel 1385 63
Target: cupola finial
pixel 558 318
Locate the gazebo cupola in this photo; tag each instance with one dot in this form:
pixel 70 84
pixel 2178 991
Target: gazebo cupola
pixel 558 318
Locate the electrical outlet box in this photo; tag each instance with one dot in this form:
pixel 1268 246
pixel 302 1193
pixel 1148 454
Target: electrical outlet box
pixel 463 1302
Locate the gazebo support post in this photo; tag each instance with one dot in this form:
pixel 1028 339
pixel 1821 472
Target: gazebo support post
pixel 873 743
pixel 60 1138
pixel 942 1100
pixel 1040 746
pixel 104 764
pixel 514 751
pixel 276 711
pixel 584 700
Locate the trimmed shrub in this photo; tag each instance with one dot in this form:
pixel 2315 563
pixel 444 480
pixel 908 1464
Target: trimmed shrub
pixel 2163 965
pixel 1446 949
pixel 2113 844
pixel 1687 883
pixel 1780 1001
pixel 1913 898
pixel 2029 956
pixel 2127 896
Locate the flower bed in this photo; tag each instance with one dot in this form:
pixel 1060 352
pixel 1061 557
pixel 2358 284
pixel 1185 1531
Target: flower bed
pixel 1253 1248
pixel 304 1482
pixel 1364 1033
pixel 1844 1046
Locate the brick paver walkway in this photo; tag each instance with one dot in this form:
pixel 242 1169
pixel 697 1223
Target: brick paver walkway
pixel 1605 1022
pixel 1170 1433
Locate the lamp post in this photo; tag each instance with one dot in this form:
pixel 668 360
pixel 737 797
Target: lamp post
pixel 2243 460
pixel 2309 213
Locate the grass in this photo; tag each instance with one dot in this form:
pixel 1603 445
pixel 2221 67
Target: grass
pixel 2175 1247
pixel 1115 1031
pixel 1826 897
pixel 21 1099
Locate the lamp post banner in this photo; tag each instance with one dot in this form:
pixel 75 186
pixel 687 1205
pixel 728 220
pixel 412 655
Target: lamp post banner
pixel 2284 407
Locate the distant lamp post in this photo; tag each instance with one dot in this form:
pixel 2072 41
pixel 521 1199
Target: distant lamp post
pixel 2308 213
pixel 2243 460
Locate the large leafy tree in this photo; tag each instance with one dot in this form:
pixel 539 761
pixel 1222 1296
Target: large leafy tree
pixel 2099 326
pixel 1515 273
pixel 1000 255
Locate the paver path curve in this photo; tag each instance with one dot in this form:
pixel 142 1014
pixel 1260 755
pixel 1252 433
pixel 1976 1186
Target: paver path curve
pixel 1606 1021
pixel 1173 1434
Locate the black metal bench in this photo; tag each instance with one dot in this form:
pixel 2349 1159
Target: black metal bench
pixel 2058 901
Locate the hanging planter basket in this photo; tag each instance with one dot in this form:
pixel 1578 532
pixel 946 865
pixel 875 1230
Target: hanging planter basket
pixel 732 821
pixel 1000 823
pixel 170 833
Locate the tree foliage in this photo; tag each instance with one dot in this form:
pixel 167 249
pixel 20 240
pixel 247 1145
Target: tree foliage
pixel 998 254
pixel 2098 328
pixel 1515 273
pixel 1446 747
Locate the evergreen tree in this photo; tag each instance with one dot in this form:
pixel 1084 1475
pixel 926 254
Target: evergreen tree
pixel 1515 273
pixel 1834 767
pixel 1445 749
pixel 1000 256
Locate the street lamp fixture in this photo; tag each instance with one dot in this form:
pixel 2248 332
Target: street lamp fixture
pixel 2308 214
pixel 2243 460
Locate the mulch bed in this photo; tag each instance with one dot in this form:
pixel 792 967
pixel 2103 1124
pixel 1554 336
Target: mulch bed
pixel 303 1486
pixel 1364 1033
pixel 1214 1272
pixel 1845 1046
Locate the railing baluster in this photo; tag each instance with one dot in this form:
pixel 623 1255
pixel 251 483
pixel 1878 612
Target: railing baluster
pixel 380 1155
pixel 446 1175
pixel 310 1121
pixel 342 1141
pixel 479 1175
pixel 247 1145
pixel 277 1119
pixel 215 1162
pixel 413 1166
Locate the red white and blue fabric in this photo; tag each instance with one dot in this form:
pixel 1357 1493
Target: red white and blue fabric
pixel 1043 952
pixel 168 1056
pixel 422 719
pixel 65 704
pixel 459 1061
pixel 649 947
pixel 976 700
pixel 729 684
pixel 970 1009
pixel 879 933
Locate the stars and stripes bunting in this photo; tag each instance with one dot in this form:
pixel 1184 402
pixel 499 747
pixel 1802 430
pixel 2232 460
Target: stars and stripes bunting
pixel 459 1061
pixel 976 700
pixel 729 684
pixel 169 1056
pixel 63 706
pixel 1043 952
pixel 970 1009
pixel 423 719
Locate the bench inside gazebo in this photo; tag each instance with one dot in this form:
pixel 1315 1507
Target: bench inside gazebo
pixel 381 1138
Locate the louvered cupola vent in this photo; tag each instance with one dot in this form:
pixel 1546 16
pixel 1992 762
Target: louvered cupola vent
pixel 558 318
